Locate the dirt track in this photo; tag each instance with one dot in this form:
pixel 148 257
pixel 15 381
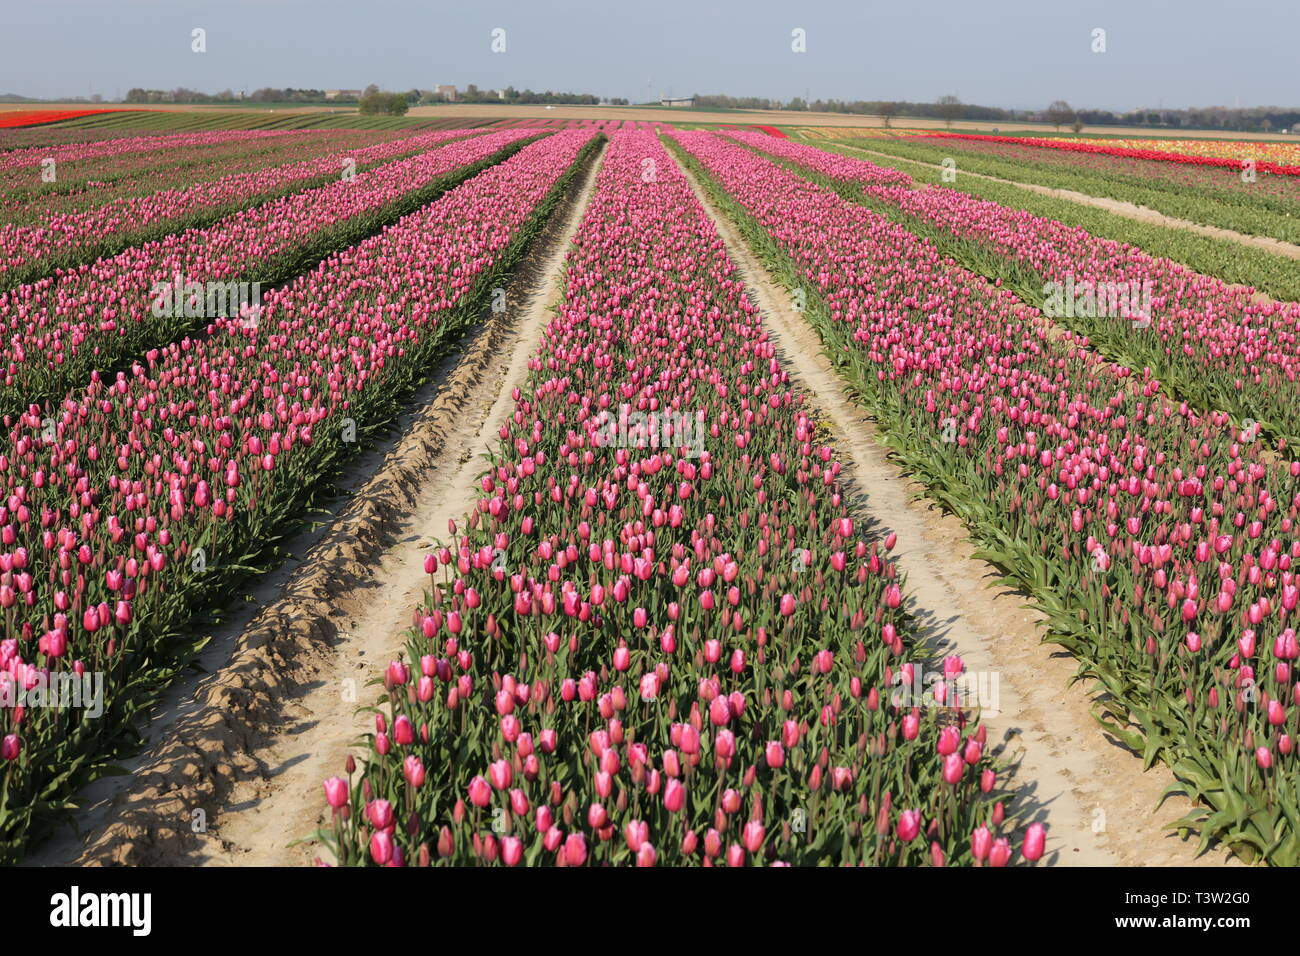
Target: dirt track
pixel 1100 809
pixel 250 745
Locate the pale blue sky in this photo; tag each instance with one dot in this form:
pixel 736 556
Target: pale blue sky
pixel 1010 53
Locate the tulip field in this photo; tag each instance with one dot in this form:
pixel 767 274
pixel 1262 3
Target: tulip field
pixel 741 714
pixel 1213 342
pixel 101 313
pixel 64 240
pixel 246 418
pixel 668 623
pixel 1254 196
pixel 1154 534
pixel 1281 158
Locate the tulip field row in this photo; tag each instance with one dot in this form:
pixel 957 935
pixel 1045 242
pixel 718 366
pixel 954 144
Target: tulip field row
pixel 1159 544
pixel 145 496
pixel 1246 200
pixel 17 118
pixel 673 647
pixel 1205 339
pixel 63 241
pixel 30 194
pixel 78 151
pixel 1270 272
pixel 1280 158
pixel 105 313
pixel 1271 191
pixel 105 161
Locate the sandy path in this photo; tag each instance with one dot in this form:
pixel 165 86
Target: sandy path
pixel 1128 210
pixel 1100 808
pixel 249 745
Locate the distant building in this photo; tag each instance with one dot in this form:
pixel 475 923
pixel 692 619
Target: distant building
pixel 446 92
pixel 344 94
pixel 683 101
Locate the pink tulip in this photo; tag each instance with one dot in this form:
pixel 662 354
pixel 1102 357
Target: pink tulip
pixel 575 849
pixel 336 792
pixel 1000 852
pixel 380 813
pixel 1035 836
pixel 674 796
pixel 909 825
pixel 381 847
pixel 774 754
pixel 953 767
pixel 512 850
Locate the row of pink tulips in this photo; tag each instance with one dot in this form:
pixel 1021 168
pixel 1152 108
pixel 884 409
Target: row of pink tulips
pixel 103 313
pixel 69 169
pixel 30 158
pixel 1158 542
pixel 151 489
pixel 1219 182
pixel 68 240
pixel 1226 155
pixel 1214 343
pixel 675 649
pixel 75 187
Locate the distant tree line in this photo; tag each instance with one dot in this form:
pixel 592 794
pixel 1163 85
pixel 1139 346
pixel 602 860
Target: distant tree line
pixel 374 101
pixel 1255 119
pixel 265 95
pixel 471 94
pixel 889 108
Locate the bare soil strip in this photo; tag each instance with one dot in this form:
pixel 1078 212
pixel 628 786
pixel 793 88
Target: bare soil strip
pixel 1099 807
pixel 239 755
pixel 1121 208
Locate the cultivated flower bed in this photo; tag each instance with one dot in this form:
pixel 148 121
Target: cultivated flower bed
pixel 660 638
pixel 1160 545
pixel 148 494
